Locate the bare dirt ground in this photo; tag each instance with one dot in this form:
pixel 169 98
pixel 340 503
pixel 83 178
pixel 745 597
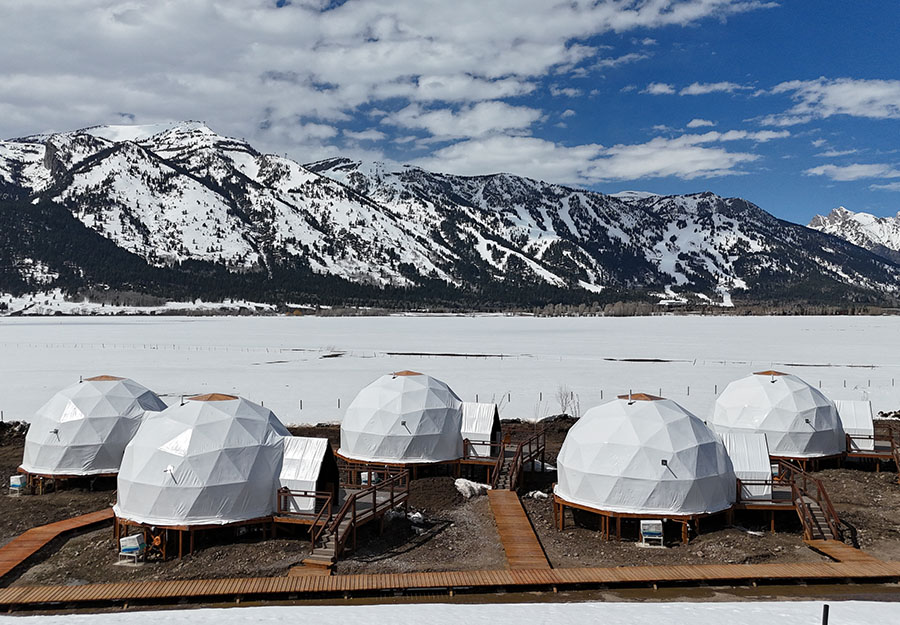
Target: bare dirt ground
pixel 456 535
pixel 871 502
pixel 453 533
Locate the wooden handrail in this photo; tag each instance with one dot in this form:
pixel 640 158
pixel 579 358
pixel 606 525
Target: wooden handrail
pixel 534 444
pixel 818 493
pixel 285 493
pixel 802 484
pixel 498 466
pixel 469 444
pixel 400 480
pixel 316 533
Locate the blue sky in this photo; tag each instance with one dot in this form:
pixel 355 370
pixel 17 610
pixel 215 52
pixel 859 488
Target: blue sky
pixel 792 105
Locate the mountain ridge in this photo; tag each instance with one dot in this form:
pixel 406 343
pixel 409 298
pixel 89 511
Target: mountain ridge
pixel 179 194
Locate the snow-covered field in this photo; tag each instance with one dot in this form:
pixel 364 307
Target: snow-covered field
pixel 749 613
pixel 523 363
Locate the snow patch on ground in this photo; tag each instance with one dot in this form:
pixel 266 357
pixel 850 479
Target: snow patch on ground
pixel 733 613
pixel 469 489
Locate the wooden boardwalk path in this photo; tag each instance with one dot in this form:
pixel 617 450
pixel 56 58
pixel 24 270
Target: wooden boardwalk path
pixel 545 579
pixel 29 543
pixel 522 547
pixel 842 552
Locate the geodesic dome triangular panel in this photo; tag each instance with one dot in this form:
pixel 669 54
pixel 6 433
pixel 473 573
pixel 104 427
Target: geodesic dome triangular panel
pixel 613 460
pixel 208 461
pixel 797 419
pixel 403 418
pixel 84 428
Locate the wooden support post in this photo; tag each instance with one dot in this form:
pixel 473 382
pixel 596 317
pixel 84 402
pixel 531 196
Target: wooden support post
pixel 684 533
pixel 191 534
pixel 772 521
pixel 180 544
pixel 618 528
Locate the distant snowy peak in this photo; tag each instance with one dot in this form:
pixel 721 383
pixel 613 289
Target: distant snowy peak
pixel 878 234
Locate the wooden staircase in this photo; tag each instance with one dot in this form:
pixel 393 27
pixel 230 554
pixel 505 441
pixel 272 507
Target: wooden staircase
pixel 813 505
pixel 814 520
pixel 324 554
pixel 502 479
pixel 509 467
pixel 384 491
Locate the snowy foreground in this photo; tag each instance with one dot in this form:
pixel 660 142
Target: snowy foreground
pixel 308 369
pixel 748 613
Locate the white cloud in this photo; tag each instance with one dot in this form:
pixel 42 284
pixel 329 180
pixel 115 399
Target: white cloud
pixel 264 73
pixel 365 135
pixel 712 87
pixel 471 121
pixel 567 113
pixel 856 171
pixel 823 97
pixel 737 135
pixel 890 186
pixel 659 88
pixel 687 157
pixel 700 123
pixel 836 153
pixel 631 57
pixel 818 143
pixel 569 92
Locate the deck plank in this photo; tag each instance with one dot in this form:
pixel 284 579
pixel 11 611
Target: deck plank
pixel 19 549
pixel 521 545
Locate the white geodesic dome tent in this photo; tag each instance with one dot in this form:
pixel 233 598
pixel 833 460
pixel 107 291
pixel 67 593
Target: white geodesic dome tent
pixel 797 419
pixel 84 428
pixel 213 460
pixel 645 456
pixel 403 418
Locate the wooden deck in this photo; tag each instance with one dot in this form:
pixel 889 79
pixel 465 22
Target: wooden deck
pixel 29 543
pixel 842 552
pixel 522 547
pixel 545 579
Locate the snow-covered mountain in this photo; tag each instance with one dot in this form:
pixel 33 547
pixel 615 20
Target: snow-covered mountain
pixel 699 243
pixel 881 235
pixel 176 194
